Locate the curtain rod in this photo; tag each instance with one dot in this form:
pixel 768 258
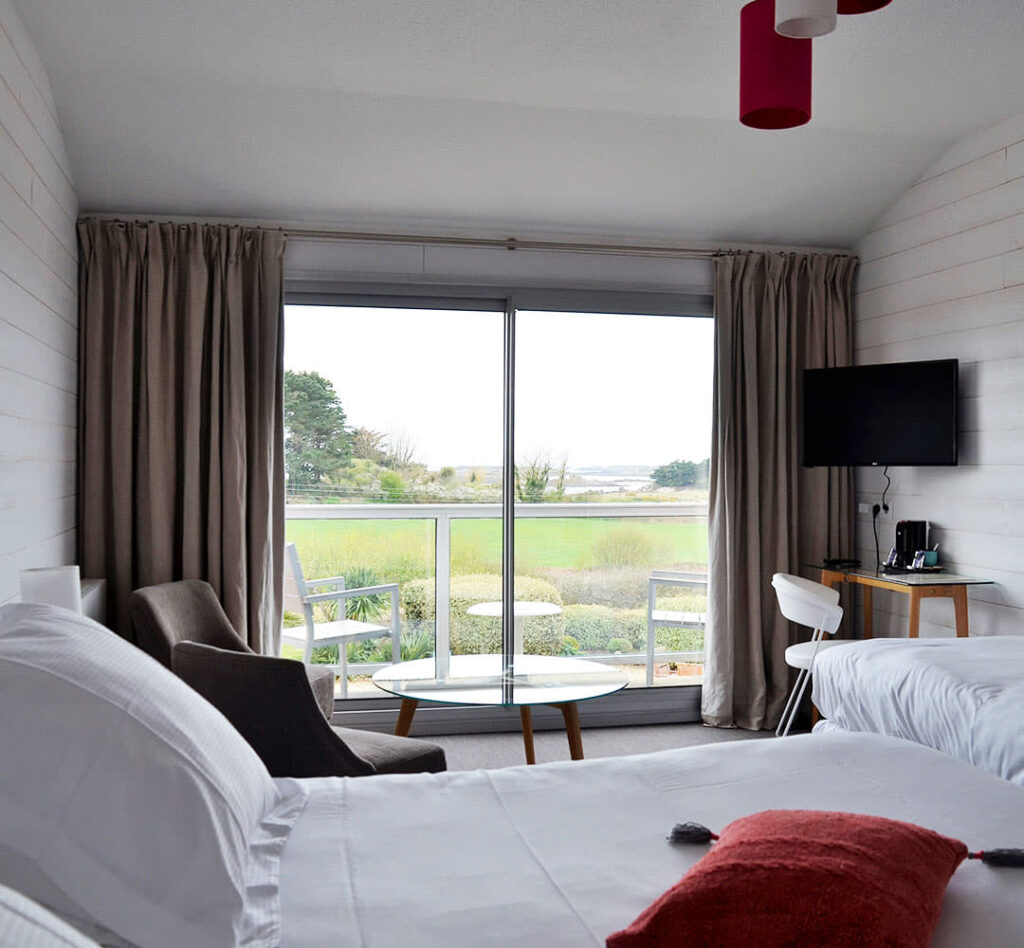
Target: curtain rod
pixel 493 243
pixel 502 243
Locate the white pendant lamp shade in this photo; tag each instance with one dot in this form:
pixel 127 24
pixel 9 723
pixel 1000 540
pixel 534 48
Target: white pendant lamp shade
pixel 805 19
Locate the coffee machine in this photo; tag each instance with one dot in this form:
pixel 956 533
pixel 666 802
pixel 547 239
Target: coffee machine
pixel 911 536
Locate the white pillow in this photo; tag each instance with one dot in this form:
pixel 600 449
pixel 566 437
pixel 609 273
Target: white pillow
pixel 132 794
pixel 23 924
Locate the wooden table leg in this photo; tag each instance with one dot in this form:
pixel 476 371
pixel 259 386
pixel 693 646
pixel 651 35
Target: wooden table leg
pixel 869 601
pixel 915 612
pixel 405 714
pixel 571 715
pixel 960 608
pixel 527 719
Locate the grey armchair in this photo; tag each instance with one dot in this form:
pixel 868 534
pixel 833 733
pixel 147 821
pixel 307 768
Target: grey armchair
pixel 281 707
pixel 270 703
pixel 189 611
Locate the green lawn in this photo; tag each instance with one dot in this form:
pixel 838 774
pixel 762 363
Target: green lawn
pixel 596 567
pixel 404 549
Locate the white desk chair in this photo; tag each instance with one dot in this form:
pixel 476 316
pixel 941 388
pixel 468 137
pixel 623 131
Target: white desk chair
pixel 300 596
pixel 817 607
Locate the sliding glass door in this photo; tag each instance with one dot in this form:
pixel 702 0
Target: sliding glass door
pixel 393 432
pixel 612 436
pixel 397 419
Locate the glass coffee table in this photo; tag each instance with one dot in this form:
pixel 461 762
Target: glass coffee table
pixel 478 680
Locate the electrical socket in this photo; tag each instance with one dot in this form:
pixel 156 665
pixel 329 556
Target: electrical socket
pixel 887 516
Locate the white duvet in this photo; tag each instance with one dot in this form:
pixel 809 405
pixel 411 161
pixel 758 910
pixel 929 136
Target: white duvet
pixel 964 697
pixel 562 855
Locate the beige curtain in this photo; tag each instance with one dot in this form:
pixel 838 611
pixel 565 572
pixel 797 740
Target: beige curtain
pixel 181 470
pixel 775 315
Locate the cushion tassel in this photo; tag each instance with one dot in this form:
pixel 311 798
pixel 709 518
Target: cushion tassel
pixel 691 833
pixel 1000 857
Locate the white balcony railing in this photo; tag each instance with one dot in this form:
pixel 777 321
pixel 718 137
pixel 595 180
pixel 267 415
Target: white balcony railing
pixel 443 514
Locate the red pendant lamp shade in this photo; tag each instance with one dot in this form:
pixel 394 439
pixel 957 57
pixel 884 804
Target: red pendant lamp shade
pixel 862 6
pixel 775 71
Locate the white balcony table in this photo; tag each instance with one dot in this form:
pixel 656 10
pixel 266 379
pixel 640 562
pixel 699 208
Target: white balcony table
pixel 521 610
pixel 479 680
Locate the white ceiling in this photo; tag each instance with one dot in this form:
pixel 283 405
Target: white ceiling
pixel 527 117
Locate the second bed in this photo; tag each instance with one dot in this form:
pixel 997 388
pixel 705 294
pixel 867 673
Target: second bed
pixel 964 697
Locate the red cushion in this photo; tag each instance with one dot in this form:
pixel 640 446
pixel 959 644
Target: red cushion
pixel 805 878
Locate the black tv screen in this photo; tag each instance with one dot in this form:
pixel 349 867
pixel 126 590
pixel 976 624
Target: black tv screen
pixel 902 413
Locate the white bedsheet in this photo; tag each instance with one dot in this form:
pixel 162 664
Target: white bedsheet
pixel 964 697
pixel 560 856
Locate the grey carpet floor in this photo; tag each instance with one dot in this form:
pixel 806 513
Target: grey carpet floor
pixel 488 751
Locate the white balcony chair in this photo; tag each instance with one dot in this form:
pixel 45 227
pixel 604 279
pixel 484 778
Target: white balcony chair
pixel 670 617
pixel 300 595
pixel 817 607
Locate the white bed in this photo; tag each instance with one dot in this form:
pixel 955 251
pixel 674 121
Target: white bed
pixel 964 697
pixel 132 808
pixel 562 855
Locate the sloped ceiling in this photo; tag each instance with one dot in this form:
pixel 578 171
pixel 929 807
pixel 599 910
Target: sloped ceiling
pixel 526 117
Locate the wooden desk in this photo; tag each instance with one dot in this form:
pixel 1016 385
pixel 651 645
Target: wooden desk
pixel 916 585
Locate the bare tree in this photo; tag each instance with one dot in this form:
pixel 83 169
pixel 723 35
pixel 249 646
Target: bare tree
pixel 399 452
pixel 369 445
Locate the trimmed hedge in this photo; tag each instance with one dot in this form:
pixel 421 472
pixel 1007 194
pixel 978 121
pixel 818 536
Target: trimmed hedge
pixel 474 635
pixel 595 627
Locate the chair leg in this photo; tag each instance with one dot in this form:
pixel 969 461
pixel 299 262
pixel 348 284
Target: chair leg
pixel 307 652
pixel 396 629
pixel 343 668
pixel 793 704
pixel 651 593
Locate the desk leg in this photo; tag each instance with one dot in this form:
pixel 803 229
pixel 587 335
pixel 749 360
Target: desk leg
pixel 959 594
pixel 915 612
pixel 405 714
pixel 571 716
pixel 831 577
pixel 527 719
pixel 869 611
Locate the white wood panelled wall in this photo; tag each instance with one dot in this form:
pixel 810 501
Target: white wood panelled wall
pixel 942 276
pixel 38 317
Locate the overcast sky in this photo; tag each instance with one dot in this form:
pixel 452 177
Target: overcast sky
pixel 597 389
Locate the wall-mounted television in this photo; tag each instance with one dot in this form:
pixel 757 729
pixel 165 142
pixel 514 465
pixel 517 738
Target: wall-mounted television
pixel 897 414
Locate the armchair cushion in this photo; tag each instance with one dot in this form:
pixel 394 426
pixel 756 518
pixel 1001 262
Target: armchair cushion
pixel 394 755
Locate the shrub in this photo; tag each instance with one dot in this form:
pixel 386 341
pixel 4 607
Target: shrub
pixel 472 635
pixel 682 599
pixel 625 545
pixel 620 587
pixel 569 646
pixel 680 640
pixel 419 644
pixel 593 626
pixel 365 608
pixel 619 646
pixel 392 486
